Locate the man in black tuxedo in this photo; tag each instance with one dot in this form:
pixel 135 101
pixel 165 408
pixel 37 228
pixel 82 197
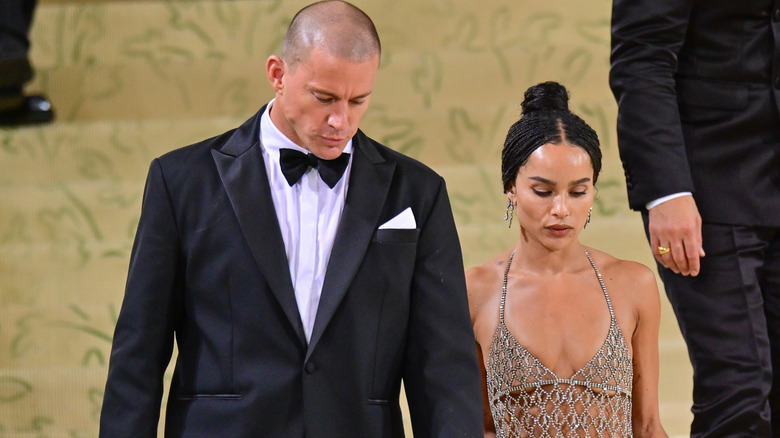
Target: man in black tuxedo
pixel 17 108
pixel 299 298
pixel 698 91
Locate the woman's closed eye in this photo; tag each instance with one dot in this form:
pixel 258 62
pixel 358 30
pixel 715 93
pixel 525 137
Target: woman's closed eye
pixel 542 193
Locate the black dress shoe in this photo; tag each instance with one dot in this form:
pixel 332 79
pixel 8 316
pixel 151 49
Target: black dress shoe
pixel 31 110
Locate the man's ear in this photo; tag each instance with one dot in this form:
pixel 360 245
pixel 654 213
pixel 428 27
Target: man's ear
pixel 275 69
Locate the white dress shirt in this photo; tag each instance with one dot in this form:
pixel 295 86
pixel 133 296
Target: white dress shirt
pixel 309 213
pixel 663 199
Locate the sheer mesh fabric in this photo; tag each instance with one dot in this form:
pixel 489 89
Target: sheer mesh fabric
pixel 527 399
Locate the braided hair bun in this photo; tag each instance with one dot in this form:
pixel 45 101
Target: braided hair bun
pixel 546 119
pixel 547 96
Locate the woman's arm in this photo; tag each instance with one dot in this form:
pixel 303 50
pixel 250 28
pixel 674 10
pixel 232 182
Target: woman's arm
pixel 646 417
pixel 479 283
pixel 490 427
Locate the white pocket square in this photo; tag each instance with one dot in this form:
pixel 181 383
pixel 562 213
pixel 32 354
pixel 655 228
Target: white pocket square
pixel 402 221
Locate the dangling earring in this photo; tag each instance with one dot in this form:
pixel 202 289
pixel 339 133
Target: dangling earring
pixel 588 220
pixel 510 212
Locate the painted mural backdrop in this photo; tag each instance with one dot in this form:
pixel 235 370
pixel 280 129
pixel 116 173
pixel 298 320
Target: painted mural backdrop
pixel 131 80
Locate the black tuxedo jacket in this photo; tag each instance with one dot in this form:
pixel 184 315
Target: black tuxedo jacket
pixel 209 267
pixel 698 90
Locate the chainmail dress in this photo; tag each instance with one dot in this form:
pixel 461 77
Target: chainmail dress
pixel 527 399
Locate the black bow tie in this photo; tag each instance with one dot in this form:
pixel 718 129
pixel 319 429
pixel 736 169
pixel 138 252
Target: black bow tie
pixel 294 164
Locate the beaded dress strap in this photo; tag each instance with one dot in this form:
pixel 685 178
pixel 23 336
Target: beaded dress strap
pixel 601 282
pixel 503 287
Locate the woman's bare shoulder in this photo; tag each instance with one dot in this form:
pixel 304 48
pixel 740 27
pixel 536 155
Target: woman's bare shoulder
pixel 608 263
pixel 488 271
pixel 630 276
pixel 484 288
pixel 483 281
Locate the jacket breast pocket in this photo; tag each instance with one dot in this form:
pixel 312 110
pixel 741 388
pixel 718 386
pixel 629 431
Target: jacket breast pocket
pixel 391 256
pixel 396 235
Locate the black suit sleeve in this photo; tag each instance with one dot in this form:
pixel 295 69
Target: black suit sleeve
pixel 143 338
pixel 646 38
pixel 441 374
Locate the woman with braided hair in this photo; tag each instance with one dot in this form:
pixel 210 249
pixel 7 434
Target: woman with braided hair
pixel 567 335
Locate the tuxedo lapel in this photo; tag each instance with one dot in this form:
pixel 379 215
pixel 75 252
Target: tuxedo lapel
pixel 242 170
pixel 369 183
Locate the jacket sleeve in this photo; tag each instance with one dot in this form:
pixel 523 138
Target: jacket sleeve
pixel 143 338
pixel 441 377
pixel 646 39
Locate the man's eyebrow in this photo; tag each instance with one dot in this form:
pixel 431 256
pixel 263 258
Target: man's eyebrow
pixel 329 94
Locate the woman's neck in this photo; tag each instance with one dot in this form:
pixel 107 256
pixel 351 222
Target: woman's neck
pixel 532 256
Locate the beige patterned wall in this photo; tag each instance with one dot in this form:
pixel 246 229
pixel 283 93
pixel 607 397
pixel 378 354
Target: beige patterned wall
pixel 133 79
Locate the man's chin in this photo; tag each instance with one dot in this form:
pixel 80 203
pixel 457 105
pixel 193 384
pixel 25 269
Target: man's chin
pixel 327 152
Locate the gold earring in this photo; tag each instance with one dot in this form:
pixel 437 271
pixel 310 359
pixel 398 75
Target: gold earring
pixel 588 220
pixel 510 212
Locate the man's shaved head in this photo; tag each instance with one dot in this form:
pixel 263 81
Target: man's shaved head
pixel 332 26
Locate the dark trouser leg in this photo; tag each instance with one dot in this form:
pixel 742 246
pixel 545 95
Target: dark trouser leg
pixel 721 316
pixel 15 21
pixel 16 108
pixel 770 284
pixel 16 17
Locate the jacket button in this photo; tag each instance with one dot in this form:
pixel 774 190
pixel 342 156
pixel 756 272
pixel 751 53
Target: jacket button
pixel 777 14
pixel 310 368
